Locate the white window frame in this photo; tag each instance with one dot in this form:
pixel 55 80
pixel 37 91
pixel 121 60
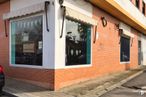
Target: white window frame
pixel 43 66
pixel 79 65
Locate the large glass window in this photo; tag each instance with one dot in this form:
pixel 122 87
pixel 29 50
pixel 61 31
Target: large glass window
pixel 26 41
pixel 137 3
pixel 125 49
pixel 143 7
pixel 78 43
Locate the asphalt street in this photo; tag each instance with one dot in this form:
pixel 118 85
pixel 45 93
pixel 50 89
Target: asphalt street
pixel 4 94
pixel 133 88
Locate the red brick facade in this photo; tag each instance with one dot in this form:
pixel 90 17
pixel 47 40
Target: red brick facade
pixel 42 77
pixel 105 56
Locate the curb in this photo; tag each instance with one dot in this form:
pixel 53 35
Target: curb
pixel 118 84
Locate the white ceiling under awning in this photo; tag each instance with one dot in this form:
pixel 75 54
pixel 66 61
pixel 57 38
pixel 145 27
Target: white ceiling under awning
pixel 79 16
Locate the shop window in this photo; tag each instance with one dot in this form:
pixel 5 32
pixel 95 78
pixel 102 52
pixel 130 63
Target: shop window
pixel 143 8
pixel 26 41
pixel 137 4
pixel 78 43
pixel 125 49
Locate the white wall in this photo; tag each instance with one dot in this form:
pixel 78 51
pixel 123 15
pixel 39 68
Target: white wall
pixel 48 37
pixel 130 8
pixel 54 47
pixel 143 41
pixel 78 5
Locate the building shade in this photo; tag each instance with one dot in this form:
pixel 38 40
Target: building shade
pixel 79 16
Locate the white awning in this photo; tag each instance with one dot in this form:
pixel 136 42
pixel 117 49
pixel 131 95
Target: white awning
pixel 25 11
pixel 79 16
pixel 126 30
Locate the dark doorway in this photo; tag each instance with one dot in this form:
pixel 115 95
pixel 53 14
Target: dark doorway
pixel 139 53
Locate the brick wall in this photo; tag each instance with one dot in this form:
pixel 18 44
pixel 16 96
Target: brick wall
pixel 42 77
pixel 105 54
pixel 4 46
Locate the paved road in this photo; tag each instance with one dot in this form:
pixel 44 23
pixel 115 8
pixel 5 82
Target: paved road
pixel 4 94
pixel 133 88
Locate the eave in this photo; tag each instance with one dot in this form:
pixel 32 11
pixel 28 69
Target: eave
pixel 2 1
pixel 117 11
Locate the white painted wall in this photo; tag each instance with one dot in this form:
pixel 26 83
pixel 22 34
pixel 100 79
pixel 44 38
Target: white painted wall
pixel 130 8
pixel 54 47
pixel 78 5
pixel 48 37
pixel 143 45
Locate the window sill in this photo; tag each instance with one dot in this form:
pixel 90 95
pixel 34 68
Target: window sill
pixel 125 62
pixel 27 66
pixel 78 66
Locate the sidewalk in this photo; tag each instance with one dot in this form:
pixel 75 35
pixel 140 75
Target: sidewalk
pixel 22 89
pixel 92 88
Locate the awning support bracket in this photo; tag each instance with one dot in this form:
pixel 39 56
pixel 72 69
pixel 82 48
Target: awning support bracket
pixel 46 14
pixel 64 14
pixel 131 41
pixel 120 34
pixel 95 34
pixel 5 23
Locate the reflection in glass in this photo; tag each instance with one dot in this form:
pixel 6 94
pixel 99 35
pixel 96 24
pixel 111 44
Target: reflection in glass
pixel 26 39
pixel 125 49
pixel 78 43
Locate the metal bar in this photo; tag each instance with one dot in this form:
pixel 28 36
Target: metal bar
pixel 5 22
pixel 46 14
pixel 64 13
pixel 95 34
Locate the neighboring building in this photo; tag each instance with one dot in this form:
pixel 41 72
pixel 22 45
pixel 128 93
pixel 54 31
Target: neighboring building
pixel 54 44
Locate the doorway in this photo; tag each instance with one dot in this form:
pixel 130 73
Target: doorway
pixel 139 53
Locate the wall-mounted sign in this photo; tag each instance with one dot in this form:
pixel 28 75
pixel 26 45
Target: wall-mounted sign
pixel 40 45
pixel 28 48
pixel 25 37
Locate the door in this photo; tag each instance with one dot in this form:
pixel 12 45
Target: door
pixel 139 53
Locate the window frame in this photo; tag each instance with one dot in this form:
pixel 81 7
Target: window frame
pixel 91 37
pixel 10 37
pixel 128 37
